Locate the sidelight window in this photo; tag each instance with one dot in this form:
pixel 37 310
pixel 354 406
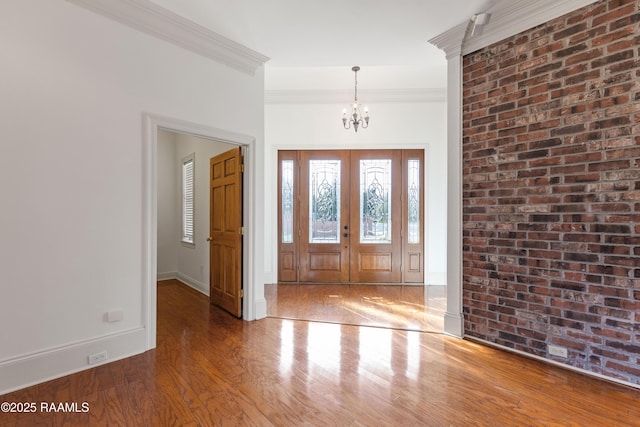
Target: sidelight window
pixel 413 195
pixel 287 189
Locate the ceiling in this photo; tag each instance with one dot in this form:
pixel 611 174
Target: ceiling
pixel 333 33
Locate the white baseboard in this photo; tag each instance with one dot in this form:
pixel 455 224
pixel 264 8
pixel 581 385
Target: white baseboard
pixel 191 282
pixel 553 362
pixel 453 325
pixel 187 280
pixel 166 276
pixel 260 308
pixel 58 362
pixel 260 304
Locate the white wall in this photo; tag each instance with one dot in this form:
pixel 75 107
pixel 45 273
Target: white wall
pixel 74 89
pixel 342 78
pixel 393 125
pixel 189 263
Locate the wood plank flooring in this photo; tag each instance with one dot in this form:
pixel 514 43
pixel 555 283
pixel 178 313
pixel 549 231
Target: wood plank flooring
pixel 210 369
pixel 409 307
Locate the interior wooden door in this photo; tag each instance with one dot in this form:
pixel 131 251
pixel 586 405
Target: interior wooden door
pixel 226 231
pixel 376 216
pixel 324 217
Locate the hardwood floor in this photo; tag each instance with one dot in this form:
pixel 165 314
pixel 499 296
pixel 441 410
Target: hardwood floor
pixel 210 369
pixel 409 307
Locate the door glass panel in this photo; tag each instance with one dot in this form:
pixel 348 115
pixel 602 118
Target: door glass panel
pixel 324 201
pixel 375 198
pixel 287 201
pixel 413 192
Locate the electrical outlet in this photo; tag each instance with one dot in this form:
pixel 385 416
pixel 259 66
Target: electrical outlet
pixel 97 357
pixel 558 351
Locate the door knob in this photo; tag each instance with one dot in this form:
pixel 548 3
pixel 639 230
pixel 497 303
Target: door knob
pixel 209 239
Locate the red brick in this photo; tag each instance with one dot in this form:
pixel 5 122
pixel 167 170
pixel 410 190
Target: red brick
pixel 614 15
pixel 551 200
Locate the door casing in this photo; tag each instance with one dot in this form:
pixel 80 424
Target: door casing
pixel 254 304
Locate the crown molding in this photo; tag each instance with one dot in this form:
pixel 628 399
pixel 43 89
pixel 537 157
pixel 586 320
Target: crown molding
pixel 513 17
pixel 508 17
pixel 451 40
pixel 146 16
pixel 345 96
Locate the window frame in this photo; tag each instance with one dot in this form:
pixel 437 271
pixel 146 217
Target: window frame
pixel 186 207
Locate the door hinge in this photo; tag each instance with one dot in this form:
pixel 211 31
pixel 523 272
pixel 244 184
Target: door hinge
pixel 241 230
pixel 241 167
pixel 241 293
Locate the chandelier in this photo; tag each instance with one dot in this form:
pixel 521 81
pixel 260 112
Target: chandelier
pixel 355 117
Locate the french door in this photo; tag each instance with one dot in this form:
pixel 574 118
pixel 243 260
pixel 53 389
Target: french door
pixel 350 216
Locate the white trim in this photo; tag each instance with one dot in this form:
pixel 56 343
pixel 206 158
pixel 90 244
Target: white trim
pixel 344 96
pixel 260 308
pixel 168 275
pixel 451 40
pixel 203 288
pixel 25 371
pixel 513 17
pixel 338 146
pixel 453 318
pixel 149 227
pixel 148 17
pixel 453 322
pixel 554 362
pixel 253 308
pixel 508 18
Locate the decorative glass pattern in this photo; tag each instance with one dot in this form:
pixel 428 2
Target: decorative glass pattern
pixel 324 201
pixel 375 201
pixel 413 192
pixel 287 201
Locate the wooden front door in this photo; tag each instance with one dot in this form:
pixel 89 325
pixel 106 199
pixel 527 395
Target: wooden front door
pixel 375 216
pixel 225 239
pixel 350 216
pixel 324 226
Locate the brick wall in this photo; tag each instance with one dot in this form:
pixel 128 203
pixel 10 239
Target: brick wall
pixel 551 165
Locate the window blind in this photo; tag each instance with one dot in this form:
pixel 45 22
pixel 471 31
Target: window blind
pixel 187 198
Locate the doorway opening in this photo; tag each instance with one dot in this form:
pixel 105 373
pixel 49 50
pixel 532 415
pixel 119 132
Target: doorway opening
pixel 189 200
pixel 253 303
